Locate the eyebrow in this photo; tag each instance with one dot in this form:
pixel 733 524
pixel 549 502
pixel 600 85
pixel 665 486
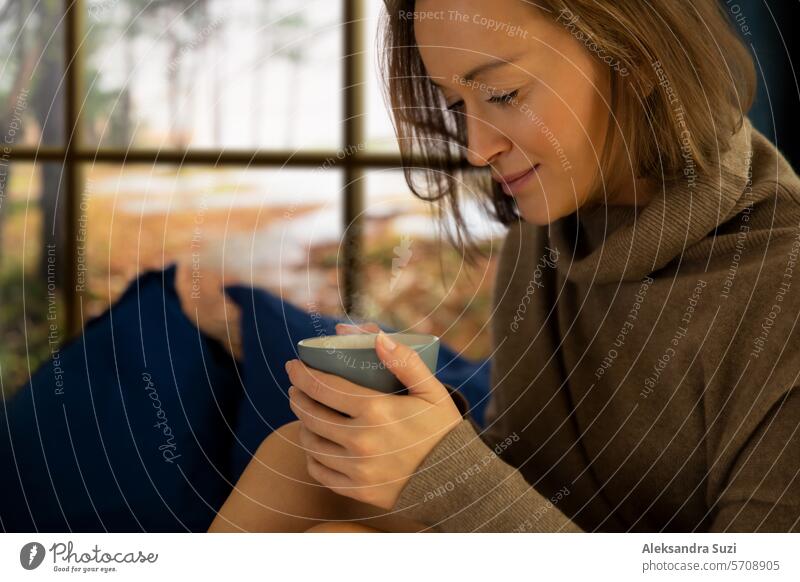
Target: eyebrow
pixel 485 68
pixel 490 65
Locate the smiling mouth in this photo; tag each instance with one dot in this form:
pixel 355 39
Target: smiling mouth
pixel 512 183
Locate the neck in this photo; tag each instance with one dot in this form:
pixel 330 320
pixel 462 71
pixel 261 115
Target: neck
pixel 636 193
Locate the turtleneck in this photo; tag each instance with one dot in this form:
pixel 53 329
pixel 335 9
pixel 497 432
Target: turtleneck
pixel 625 242
pixel 645 367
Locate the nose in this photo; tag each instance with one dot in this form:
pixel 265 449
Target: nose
pixel 485 141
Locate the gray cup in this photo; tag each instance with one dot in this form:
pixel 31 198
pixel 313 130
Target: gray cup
pixel 354 358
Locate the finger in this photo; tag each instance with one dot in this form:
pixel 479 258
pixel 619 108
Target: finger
pixel 330 454
pixel 331 390
pixel 319 418
pixel 330 478
pixel 319 446
pixel 348 328
pixel 404 362
pixel 341 465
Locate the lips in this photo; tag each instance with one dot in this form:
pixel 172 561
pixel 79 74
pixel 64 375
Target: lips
pixel 513 182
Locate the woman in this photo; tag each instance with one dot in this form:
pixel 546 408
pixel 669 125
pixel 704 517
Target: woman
pixel 645 305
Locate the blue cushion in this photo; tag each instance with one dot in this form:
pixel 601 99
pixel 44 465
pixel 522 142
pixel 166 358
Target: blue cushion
pixel 126 428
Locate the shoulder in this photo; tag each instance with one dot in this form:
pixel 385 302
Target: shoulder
pixel 751 349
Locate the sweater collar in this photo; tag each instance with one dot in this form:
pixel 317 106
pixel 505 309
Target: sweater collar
pixel 613 243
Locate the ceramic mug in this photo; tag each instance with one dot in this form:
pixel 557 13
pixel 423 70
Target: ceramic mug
pixel 354 358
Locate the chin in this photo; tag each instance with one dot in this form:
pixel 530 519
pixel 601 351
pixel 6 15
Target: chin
pixel 537 211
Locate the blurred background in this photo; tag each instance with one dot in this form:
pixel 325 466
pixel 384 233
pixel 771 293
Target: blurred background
pixel 248 136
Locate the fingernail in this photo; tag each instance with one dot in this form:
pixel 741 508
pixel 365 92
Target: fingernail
pixel 387 343
pixel 288 365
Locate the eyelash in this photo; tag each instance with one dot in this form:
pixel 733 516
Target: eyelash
pixel 505 99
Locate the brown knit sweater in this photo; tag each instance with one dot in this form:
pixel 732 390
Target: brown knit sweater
pixel 645 369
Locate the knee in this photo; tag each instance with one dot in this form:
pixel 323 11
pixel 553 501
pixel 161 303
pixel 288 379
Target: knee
pixel 288 431
pixel 282 438
pixel 342 527
pixel 281 450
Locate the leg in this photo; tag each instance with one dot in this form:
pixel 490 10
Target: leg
pixel 205 304
pixel 276 494
pixel 342 527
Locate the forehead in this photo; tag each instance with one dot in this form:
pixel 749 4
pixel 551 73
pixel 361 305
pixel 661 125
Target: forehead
pixel 470 31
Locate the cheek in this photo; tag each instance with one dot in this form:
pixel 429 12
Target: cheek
pixel 573 148
pixel 574 111
pixel 544 132
pixel 548 132
pixel 590 120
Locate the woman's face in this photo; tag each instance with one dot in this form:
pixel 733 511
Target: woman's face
pixel 534 99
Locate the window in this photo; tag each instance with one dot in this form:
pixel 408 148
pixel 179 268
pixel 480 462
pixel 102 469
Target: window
pixel 249 134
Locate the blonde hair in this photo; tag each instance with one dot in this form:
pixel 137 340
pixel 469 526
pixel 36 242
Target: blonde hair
pixel 681 83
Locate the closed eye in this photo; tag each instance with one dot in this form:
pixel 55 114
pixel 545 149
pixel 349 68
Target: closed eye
pixel 506 99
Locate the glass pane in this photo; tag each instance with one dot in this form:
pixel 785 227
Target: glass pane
pixel 32 316
pixel 404 284
pixel 31 73
pixel 214 73
pixel 276 229
pixel 380 132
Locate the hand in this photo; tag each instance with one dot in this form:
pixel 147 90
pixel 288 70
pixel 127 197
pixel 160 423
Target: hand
pixel 365 444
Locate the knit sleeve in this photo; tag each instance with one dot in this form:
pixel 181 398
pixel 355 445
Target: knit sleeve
pixel 762 492
pixel 463 485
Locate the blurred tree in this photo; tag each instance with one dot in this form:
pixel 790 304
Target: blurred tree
pixel 32 33
pixel 184 25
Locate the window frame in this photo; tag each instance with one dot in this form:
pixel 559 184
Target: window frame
pixel 74 153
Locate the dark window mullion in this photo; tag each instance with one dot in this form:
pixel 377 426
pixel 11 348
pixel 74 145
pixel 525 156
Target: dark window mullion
pixel 209 157
pixel 353 190
pixel 73 177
